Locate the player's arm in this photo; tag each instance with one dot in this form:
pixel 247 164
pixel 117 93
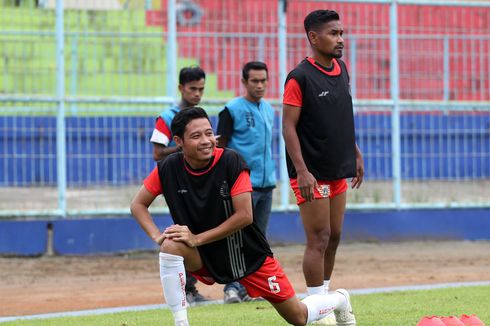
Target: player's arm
pixel 160 139
pixel 241 218
pixel 241 197
pixel 225 127
pixel 306 181
pixel 161 151
pixel 139 209
pixel 357 180
pixel 139 206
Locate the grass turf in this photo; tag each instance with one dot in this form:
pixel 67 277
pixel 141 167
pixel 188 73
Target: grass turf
pixel 396 308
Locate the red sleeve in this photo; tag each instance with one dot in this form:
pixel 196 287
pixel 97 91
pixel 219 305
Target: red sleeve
pixel 242 184
pixel 292 94
pixel 152 183
pixel 162 127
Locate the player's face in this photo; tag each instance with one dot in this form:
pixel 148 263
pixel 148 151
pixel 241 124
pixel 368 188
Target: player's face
pixel 256 84
pixel 192 92
pixel 198 143
pixel 328 40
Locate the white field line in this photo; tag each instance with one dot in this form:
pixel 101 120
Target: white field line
pixel 301 295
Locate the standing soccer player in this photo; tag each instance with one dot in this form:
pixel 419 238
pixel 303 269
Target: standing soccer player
pixel 208 192
pixel 191 88
pixel 318 129
pixel 245 125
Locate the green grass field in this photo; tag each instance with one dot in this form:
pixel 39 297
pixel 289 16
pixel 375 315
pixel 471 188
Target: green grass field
pixel 390 309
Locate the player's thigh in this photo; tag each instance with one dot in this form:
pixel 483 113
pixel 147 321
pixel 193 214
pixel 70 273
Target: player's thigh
pixel 315 215
pixel 337 211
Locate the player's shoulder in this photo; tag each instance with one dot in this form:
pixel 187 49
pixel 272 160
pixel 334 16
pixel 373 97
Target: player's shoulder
pixel 299 72
pixel 230 155
pixel 169 111
pixel 233 103
pixel 171 160
pixel 301 68
pixel 266 103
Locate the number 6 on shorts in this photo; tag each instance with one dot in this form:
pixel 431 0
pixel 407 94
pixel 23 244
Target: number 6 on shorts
pixel 274 285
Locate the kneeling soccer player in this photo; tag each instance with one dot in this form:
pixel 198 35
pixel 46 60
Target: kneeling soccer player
pixel 208 192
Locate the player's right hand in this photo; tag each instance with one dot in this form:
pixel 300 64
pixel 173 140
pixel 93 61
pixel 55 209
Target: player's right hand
pixel 306 184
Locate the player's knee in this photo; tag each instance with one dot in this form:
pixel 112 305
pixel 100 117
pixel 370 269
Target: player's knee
pixel 172 247
pixel 334 241
pixel 296 319
pixel 319 239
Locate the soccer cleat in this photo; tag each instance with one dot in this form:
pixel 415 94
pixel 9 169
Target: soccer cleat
pixel 231 296
pixel 327 320
pixel 471 320
pixel 345 316
pixel 194 297
pixel 247 298
pixel 451 321
pixel 430 321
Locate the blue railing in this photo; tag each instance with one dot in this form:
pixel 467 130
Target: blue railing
pixel 115 150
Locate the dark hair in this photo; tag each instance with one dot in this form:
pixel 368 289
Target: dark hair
pixel 188 74
pixel 253 65
pixel 183 117
pixel 317 18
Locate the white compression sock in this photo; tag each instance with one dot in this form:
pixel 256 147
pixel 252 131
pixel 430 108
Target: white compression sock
pixel 172 275
pixel 326 285
pixel 321 305
pixel 315 290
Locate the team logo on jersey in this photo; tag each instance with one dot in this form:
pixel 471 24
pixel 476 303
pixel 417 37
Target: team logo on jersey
pixel 324 93
pixel 324 190
pixel 182 191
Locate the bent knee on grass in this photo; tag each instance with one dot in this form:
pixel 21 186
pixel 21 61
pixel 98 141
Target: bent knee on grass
pixel 293 311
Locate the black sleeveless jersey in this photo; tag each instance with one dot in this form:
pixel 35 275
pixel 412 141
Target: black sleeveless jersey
pixel 326 124
pixel 202 201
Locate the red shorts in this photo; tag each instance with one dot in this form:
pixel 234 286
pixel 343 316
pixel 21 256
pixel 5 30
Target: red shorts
pixel 268 282
pixel 326 189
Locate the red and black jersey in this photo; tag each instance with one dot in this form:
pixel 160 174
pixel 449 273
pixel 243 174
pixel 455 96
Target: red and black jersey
pixel 326 124
pixel 201 199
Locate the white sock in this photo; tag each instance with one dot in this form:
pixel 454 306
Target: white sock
pixel 326 285
pixel 315 290
pixel 172 275
pixel 321 305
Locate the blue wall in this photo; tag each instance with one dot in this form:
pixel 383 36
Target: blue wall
pixel 80 236
pixel 23 238
pixel 117 151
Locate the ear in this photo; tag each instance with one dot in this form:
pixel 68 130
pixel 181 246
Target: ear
pixel 312 37
pixel 181 88
pixel 244 82
pixel 178 141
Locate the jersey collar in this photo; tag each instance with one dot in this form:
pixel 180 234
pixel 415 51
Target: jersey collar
pixel 335 71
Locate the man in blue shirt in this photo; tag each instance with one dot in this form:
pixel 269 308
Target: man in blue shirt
pixel 191 88
pixel 245 125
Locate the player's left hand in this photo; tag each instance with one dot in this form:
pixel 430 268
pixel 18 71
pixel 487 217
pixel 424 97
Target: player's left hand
pixel 357 180
pixel 181 233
